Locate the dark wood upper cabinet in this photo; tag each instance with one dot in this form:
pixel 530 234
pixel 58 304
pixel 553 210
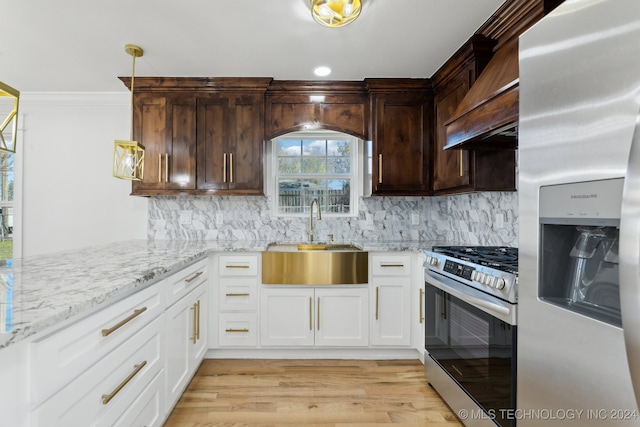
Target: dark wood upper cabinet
pixel 293 106
pixel 401 111
pixel 457 171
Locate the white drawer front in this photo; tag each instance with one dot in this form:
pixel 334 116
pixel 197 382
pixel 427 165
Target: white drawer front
pixel 238 265
pixel 62 356
pixel 238 293
pixel 148 409
pixel 391 265
pixel 238 329
pixel 186 280
pixel 122 375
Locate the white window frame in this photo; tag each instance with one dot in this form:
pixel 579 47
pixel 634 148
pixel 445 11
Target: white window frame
pixel 271 178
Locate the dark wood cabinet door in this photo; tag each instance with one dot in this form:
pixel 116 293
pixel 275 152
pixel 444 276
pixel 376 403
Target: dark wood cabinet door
pixel 213 143
pixel 451 168
pixel 150 129
pixel 400 145
pixel 246 144
pixel 181 147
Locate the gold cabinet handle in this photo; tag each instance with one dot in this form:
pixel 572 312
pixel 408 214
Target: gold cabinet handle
pixel 391 265
pixel 318 314
pixel 235 266
pixel 159 167
pixel 224 167
pixel 198 322
pixel 461 166
pixel 230 167
pixel 238 295
pixel 377 299
pixel 380 168
pixel 106 398
pixel 237 330
pixel 194 338
pixel 421 306
pixel 194 277
pixel 136 313
pixel 310 314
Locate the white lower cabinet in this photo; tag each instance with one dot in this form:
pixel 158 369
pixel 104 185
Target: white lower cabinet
pixel 321 316
pixel 101 394
pixel 186 322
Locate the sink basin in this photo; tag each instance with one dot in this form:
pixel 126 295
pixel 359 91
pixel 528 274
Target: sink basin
pixel 314 264
pixel 293 247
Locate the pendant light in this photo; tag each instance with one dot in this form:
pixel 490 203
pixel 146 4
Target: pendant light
pixel 7 91
pixel 335 13
pixel 128 156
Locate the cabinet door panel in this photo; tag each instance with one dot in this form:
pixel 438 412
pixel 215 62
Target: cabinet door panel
pixel 245 171
pixel 182 150
pixel 150 129
pixel 286 317
pixel 392 311
pixel 213 137
pixel 342 317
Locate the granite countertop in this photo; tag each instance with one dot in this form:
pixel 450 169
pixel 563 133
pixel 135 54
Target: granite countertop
pixel 39 293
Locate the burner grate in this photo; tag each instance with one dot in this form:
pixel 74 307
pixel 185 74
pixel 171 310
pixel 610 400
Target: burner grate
pixel 502 258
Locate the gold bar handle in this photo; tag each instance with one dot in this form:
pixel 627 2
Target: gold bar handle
pixel 166 167
pixel 106 398
pixel 224 167
pixel 136 313
pixel 237 330
pixel 318 315
pixel 461 165
pixel 379 168
pixel 194 277
pixel 230 167
pixel 421 306
pixel 198 323
pixel 391 265
pixel 159 167
pixel 310 314
pixel 377 299
pixel 194 338
pixel 236 266
pixel 238 295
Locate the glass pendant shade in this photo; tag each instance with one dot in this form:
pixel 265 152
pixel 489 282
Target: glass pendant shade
pixel 128 156
pixel 335 13
pixel 128 160
pixel 12 96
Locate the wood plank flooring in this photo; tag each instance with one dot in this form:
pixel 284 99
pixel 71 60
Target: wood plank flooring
pixel 320 393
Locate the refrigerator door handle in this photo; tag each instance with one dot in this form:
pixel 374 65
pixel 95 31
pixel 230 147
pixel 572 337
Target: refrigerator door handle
pixel 629 267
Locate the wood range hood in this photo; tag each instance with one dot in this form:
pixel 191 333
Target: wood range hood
pixel 487 117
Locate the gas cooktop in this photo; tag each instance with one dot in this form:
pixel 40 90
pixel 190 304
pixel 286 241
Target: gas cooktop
pixel 502 258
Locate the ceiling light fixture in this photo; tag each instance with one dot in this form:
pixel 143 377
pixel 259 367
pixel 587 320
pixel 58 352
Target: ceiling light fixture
pixel 128 156
pixel 11 119
pixel 335 13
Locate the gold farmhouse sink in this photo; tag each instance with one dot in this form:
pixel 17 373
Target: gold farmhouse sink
pixel 314 264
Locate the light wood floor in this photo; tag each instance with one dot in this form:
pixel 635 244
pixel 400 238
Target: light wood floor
pixel 344 393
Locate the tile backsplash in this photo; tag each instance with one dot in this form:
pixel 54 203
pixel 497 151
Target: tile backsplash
pixel 486 218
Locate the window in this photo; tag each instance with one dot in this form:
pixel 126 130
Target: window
pixel 317 165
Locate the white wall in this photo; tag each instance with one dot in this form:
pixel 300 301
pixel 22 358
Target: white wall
pixel 70 198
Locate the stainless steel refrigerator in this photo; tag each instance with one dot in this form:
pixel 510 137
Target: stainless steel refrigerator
pixel 579 197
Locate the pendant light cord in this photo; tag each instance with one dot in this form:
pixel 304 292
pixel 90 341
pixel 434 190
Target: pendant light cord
pixel 133 74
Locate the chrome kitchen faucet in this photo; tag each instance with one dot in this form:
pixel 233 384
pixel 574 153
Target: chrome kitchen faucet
pixel 318 215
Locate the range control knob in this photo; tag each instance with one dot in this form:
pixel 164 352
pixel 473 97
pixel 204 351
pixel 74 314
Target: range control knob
pixel 499 283
pixel 433 261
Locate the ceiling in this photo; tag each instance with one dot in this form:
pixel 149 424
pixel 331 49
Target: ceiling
pixel 78 45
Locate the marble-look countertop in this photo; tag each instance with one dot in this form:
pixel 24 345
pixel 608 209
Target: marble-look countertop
pixel 40 293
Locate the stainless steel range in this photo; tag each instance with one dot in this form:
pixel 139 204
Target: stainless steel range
pixel 470 330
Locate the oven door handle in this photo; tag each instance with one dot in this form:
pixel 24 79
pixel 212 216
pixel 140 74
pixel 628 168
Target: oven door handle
pixel 493 306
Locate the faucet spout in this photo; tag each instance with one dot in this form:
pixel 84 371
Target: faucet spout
pixel 318 216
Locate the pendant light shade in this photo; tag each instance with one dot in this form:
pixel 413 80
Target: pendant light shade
pixel 335 13
pixel 11 121
pixel 128 156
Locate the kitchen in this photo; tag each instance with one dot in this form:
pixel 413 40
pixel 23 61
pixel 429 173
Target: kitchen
pixel 105 213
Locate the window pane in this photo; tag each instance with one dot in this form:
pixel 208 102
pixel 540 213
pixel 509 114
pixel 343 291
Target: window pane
pixel 339 196
pixel 289 200
pixel 334 195
pixel 289 147
pixel 314 165
pixel 288 165
pixel 338 164
pixel 314 148
pixel 338 148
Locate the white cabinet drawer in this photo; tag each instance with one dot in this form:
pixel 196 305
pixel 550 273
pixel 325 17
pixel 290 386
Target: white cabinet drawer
pixel 390 265
pixel 238 265
pixel 103 393
pixel 238 293
pixel 62 356
pixel 238 329
pixel 186 280
pixel 148 409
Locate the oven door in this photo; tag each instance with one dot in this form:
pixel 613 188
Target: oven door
pixel 473 346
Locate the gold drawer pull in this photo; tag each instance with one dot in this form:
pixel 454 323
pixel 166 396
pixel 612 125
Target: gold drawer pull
pixel 238 295
pixel 224 167
pixel 194 338
pixel 236 266
pixel 391 265
pixel 136 313
pixel 106 398
pixel 166 167
pixel 194 277
pixel 377 299
pixel 237 330
pixel 421 303
pixel 379 168
pixel 160 168
pixel 230 167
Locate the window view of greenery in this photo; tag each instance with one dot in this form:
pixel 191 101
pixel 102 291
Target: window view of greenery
pixel 6 206
pixel 310 169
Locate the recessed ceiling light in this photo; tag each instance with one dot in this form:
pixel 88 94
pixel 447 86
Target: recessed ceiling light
pixel 322 71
